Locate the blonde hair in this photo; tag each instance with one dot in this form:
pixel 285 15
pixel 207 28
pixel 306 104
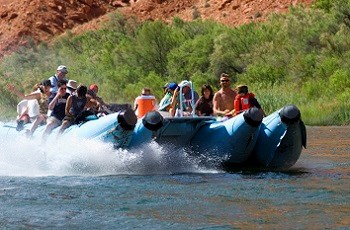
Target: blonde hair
pixel 36 86
pixel 224 75
pixel 146 91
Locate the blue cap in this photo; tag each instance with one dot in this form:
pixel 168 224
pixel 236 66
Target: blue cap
pixel 172 86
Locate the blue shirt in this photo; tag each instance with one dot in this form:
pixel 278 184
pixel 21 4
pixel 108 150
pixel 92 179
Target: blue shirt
pixel 54 83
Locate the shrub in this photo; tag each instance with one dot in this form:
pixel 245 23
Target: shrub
pixel 300 58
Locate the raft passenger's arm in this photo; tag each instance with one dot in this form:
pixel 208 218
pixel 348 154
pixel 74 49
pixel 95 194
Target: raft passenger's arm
pixel 68 106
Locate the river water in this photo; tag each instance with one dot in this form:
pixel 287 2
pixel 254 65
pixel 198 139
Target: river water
pixel 94 187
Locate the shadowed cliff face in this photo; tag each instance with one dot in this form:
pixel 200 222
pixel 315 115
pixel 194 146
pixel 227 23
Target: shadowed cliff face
pixel 43 20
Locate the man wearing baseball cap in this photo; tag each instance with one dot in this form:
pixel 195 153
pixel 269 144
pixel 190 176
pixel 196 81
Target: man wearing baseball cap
pixel 60 75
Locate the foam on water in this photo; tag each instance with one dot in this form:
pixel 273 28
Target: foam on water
pixel 69 157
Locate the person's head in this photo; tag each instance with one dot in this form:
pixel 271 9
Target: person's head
pixel 91 93
pixel 146 91
pixel 81 90
pixel 242 89
pixel 165 88
pixel 62 86
pixel 94 88
pixel 207 91
pixel 224 80
pixel 72 86
pixel 45 86
pixel 185 86
pixel 186 89
pixel 61 71
pixel 36 87
pixel 172 86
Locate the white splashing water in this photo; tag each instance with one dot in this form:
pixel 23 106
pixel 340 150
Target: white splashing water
pixel 69 157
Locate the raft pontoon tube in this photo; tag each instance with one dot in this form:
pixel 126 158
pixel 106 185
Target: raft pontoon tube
pixel 281 138
pixel 248 139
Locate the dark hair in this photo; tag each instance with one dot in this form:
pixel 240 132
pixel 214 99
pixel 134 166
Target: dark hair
pixel 242 89
pixel 81 90
pixel 46 83
pixel 61 82
pixel 206 86
pixel 91 93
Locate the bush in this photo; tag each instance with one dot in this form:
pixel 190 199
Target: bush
pixel 299 58
pixel 190 57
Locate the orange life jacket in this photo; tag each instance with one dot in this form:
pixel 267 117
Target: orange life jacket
pixel 242 103
pixel 145 104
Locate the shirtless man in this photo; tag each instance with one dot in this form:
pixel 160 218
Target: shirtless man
pixel 223 99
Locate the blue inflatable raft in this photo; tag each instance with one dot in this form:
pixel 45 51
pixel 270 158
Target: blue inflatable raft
pixel 273 142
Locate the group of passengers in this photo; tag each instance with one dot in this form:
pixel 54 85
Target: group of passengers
pixel 60 103
pixel 178 99
pixel 226 102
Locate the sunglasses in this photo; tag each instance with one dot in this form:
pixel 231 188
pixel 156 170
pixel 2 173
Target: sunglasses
pixel 63 88
pixel 225 80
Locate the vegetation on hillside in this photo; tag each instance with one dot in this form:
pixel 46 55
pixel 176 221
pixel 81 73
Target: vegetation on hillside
pixel 300 58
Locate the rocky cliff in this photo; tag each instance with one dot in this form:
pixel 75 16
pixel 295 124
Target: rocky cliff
pixel 23 21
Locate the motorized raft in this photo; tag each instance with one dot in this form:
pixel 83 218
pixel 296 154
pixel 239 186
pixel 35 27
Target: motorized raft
pixel 247 140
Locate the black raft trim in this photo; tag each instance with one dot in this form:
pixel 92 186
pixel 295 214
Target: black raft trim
pixel 127 119
pixel 153 121
pixel 253 117
pixel 290 114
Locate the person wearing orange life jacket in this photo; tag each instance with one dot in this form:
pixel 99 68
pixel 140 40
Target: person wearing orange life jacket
pixel 144 103
pixel 245 100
